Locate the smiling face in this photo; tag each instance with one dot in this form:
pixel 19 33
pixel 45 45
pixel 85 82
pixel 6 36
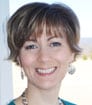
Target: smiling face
pixel 45 60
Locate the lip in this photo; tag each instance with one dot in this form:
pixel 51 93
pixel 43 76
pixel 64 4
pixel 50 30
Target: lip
pixel 46 71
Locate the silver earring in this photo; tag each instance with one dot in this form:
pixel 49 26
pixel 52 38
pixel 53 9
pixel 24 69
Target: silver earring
pixel 71 69
pixel 22 75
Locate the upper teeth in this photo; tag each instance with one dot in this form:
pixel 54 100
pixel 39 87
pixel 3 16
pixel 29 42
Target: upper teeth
pixel 46 70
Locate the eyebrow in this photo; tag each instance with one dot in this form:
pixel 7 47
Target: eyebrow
pixel 31 39
pixel 35 40
pixel 51 37
pixel 54 37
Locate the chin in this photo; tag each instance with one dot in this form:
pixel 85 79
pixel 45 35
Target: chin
pixel 49 86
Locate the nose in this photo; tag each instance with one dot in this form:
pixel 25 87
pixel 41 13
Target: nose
pixel 44 55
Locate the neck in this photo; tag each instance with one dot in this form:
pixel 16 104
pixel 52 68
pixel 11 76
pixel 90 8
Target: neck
pixel 42 96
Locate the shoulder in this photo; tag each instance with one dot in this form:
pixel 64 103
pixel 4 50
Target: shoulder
pixel 16 101
pixel 65 102
pixel 11 103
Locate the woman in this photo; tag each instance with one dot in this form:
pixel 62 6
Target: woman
pixel 43 39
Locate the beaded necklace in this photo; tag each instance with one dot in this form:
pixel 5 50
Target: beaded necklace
pixel 24 100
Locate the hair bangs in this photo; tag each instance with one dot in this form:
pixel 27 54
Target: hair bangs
pixel 51 25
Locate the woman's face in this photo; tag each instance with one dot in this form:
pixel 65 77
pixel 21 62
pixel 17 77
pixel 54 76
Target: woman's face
pixel 45 60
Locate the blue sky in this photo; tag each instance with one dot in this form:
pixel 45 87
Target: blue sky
pixel 83 9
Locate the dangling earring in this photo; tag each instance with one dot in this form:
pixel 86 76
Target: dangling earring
pixel 71 69
pixel 22 75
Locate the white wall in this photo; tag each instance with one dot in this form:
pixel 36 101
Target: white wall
pixel 5 66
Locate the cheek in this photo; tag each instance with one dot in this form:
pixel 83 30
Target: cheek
pixel 62 57
pixel 27 64
pixel 26 60
pixel 63 62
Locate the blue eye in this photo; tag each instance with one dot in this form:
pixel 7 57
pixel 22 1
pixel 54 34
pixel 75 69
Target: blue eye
pixel 55 44
pixel 31 47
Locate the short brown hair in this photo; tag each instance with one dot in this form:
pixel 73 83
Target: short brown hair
pixel 31 18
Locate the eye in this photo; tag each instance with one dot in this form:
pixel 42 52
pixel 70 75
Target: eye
pixel 55 44
pixel 33 46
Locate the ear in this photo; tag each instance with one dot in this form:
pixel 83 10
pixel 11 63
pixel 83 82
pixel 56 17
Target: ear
pixel 18 60
pixel 72 57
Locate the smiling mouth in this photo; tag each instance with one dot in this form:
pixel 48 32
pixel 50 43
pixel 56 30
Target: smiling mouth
pixel 46 71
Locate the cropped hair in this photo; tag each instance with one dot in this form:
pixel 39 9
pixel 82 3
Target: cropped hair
pixel 30 19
